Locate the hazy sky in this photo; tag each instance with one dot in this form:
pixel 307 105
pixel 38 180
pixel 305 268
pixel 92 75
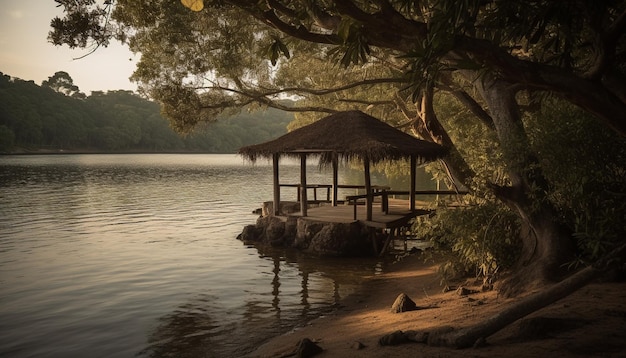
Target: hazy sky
pixel 25 52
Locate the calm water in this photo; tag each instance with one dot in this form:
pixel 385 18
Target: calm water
pixel 136 255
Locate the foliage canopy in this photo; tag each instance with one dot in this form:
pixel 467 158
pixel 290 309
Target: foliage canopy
pixel 217 58
pixel 41 118
pixel 499 64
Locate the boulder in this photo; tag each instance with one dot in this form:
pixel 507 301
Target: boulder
pixel 291 230
pixel 334 239
pixel 250 234
pixel 274 230
pixel 393 339
pixel 321 238
pixel 305 231
pixel 403 303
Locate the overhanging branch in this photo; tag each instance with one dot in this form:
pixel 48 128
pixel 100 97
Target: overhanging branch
pixel 321 92
pixel 261 98
pixel 300 90
pixel 590 95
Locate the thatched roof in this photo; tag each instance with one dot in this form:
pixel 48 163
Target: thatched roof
pixel 351 134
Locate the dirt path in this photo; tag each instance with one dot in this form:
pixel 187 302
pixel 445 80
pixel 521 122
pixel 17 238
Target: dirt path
pixel 589 323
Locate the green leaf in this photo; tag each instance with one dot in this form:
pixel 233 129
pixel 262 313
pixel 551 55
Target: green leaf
pixel 275 50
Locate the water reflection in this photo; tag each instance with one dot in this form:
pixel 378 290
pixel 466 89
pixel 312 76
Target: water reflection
pixel 186 332
pixel 122 255
pixel 298 288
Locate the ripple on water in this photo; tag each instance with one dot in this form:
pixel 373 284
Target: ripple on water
pixel 122 255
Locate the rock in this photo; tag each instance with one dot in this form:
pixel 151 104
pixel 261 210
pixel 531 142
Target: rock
pixel 463 291
pixel 393 339
pixel 250 233
pixel 307 348
pixel 275 229
pixel 403 303
pixel 291 229
pixel 416 336
pixel 357 345
pixel 319 238
pixel 331 239
pixel 305 231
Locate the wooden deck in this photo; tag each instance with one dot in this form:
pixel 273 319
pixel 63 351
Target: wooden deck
pixel 399 214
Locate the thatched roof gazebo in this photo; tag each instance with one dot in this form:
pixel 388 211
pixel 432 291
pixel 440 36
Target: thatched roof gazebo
pixel 345 135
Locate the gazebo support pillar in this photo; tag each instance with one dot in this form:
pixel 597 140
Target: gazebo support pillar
pixel 368 188
pixel 413 175
pixel 335 178
pixel 275 162
pixel 303 189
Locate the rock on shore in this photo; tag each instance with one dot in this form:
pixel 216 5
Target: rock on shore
pixel 322 238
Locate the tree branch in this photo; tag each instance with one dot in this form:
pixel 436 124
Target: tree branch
pixel 590 95
pixel 400 34
pixel 467 100
pixel 368 103
pixel 260 98
pixel 606 47
pixel 277 5
pixel 300 32
pixel 321 92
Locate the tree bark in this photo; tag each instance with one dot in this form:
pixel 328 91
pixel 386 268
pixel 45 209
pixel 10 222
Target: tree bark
pixel 546 245
pixel 427 126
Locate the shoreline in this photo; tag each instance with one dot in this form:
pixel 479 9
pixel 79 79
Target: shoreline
pixel 597 313
pixel 76 151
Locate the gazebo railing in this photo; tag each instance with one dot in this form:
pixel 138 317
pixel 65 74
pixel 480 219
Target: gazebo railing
pixel 384 194
pixel 328 187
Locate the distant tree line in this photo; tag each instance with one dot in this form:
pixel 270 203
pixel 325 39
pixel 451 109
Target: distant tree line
pixel 57 116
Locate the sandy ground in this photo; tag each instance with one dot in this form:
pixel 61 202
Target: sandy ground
pixel 593 321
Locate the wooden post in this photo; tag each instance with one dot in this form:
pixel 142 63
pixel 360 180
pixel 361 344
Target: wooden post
pixel 335 178
pixel 275 161
pixel 413 175
pixel 368 188
pixel 303 199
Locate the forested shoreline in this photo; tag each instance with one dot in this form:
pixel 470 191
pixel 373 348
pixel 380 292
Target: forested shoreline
pixel 57 118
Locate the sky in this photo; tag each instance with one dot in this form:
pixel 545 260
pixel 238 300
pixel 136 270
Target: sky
pixel 26 53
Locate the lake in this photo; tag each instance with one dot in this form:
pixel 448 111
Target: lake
pixel 135 255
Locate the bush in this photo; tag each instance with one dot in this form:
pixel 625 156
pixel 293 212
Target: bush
pixel 482 237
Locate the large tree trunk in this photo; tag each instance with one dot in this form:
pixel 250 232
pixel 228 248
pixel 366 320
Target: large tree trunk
pixel 546 245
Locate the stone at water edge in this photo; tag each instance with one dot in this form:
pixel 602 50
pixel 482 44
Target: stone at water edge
pixel 307 348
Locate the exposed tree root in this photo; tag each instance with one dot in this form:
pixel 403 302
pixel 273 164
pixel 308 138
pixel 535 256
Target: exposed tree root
pixel 477 334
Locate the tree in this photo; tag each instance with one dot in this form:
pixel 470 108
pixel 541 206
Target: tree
pixel 499 59
pixel 7 138
pixel 62 82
